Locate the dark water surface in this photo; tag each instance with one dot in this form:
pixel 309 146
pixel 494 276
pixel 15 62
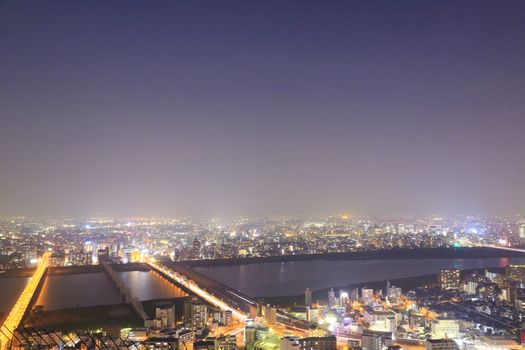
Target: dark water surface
pixel 10 290
pixel 148 285
pixel 292 278
pixel 261 279
pixel 72 290
pixel 88 289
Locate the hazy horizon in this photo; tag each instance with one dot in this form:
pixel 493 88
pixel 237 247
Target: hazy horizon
pixel 207 108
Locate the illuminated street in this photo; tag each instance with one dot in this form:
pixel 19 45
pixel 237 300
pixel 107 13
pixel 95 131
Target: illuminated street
pixel 197 290
pixel 14 318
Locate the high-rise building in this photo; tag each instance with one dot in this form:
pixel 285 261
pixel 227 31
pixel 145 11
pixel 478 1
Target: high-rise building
pixel 522 232
pixel 253 311
pixel 308 297
pixel 186 309
pixel 222 317
pixel 471 287
pixel 354 295
pixel 492 276
pixel 416 319
pixel 344 299
pixel 312 314
pixel 515 272
pixel 383 321
pixel 331 298
pixel 450 279
pixel 227 317
pixel 367 296
pixel 166 315
pixel 372 340
pixel 199 316
pixel 249 334
pixel 393 293
pixel 270 315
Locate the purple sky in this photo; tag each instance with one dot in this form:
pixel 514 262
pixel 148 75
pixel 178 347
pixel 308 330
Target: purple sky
pixel 262 107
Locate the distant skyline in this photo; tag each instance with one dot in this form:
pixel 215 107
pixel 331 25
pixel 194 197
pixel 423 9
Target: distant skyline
pixel 211 108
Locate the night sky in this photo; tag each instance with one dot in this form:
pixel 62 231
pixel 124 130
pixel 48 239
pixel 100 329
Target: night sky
pixel 242 107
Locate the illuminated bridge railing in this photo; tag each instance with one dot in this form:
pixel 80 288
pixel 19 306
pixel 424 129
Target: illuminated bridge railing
pixel 12 321
pixel 193 287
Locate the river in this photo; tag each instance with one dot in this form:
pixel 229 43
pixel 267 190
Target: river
pixel 260 279
pixel 10 289
pixel 92 289
pixel 148 285
pixel 77 290
pixel 292 278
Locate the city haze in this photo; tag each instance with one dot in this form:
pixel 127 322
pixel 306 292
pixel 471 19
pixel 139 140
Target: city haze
pixel 262 108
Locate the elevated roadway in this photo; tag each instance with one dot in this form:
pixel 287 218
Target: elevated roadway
pixel 196 289
pixel 14 318
pixel 224 297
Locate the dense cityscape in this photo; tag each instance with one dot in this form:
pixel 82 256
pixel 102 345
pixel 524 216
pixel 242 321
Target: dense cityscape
pixel 456 309
pixel 80 242
pixel 262 175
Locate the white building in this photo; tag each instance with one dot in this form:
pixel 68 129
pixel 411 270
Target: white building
pixel 445 328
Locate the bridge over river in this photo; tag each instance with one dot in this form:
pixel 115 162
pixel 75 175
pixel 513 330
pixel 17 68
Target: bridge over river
pixel 215 293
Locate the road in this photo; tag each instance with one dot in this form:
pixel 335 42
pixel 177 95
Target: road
pixel 241 301
pixel 14 318
pixel 226 298
pixel 236 299
pixel 194 288
pixel 482 314
pixel 504 248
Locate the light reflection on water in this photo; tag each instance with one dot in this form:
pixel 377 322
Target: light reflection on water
pixel 91 289
pixel 272 279
pixel 10 289
pixel 148 285
pixel 78 290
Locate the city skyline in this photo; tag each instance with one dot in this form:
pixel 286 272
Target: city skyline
pixel 258 109
pixel 262 175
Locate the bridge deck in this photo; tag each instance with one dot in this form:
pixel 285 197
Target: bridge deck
pixel 12 321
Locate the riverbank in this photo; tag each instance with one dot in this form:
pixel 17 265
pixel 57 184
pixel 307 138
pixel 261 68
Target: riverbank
pixel 73 270
pixel 18 272
pixel 100 316
pixel 406 284
pixel 85 318
pixel 418 253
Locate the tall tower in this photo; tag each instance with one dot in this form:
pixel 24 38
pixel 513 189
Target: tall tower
pixel 308 297
pixel 270 315
pixel 331 298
